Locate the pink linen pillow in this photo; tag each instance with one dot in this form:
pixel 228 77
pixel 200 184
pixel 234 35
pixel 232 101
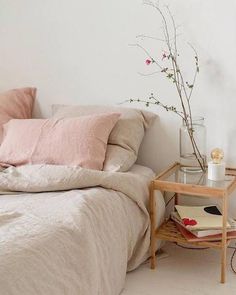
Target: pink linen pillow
pixel 71 141
pixel 16 104
pixel 125 138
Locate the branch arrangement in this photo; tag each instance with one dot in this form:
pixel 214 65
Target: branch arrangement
pixel 174 74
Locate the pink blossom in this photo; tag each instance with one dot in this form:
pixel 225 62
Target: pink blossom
pixel 148 61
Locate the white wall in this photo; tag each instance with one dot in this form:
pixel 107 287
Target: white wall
pixel 77 51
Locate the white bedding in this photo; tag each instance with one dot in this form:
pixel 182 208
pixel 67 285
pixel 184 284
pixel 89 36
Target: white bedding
pixel 79 241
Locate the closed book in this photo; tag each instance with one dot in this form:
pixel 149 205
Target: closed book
pixel 202 233
pixel 191 238
pixel 205 217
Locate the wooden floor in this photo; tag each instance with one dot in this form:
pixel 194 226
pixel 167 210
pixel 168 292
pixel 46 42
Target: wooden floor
pixel 183 272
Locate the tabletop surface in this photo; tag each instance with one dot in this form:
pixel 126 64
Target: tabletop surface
pixel 174 174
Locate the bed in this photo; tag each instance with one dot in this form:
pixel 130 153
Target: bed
pixel 78 241
pixel 73 203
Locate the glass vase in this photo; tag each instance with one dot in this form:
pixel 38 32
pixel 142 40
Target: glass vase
pixel 193 151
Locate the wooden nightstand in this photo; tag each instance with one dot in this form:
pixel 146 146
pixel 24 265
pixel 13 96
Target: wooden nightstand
pixel 195 184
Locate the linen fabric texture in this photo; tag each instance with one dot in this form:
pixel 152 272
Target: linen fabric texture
pixel 125 138
pixel 75 242
pixel 71 141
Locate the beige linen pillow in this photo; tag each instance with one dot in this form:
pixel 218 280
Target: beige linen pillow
pixel 125 138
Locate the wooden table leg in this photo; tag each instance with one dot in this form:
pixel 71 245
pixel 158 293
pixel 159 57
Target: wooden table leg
pixel 176 199
pixel 153 226
pixel 176 194
pixel 224 239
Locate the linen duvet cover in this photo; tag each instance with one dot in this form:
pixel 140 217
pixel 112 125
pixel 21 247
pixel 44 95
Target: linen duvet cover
pixel 72 231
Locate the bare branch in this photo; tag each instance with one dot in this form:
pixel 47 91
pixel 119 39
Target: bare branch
pixel 148 54
pixel 175 30
pixel 143 36
pixel 156 103
pixel 149 37
pixel 174 73
pixel 149 74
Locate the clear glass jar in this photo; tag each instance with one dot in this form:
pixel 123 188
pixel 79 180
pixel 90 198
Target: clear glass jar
pixel 188 159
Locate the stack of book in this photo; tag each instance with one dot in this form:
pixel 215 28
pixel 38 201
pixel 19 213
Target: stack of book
pixel 202 223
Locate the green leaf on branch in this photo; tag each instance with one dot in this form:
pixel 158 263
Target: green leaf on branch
pixel 169 76
pixel 190 86
pixel 164 70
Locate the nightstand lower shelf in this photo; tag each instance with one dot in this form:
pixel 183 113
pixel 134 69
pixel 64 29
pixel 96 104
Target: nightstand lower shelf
pixel 169 232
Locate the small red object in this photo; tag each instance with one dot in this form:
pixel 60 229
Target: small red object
pixel 148 61
pixel 187 221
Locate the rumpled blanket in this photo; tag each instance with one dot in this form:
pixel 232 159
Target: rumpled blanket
pixel 71 230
